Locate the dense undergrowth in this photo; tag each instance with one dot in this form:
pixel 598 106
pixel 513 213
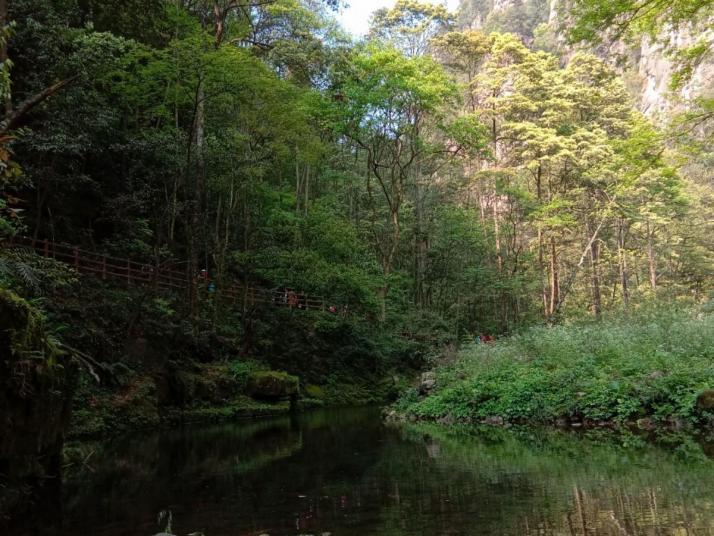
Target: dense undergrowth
pixel 154 366
pixel 656 365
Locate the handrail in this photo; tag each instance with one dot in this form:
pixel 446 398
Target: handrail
pixel 131 271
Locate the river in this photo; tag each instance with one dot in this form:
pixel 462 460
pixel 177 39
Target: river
pixel 345 473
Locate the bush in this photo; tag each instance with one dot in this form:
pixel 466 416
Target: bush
pixel 272 385
pixel 655 364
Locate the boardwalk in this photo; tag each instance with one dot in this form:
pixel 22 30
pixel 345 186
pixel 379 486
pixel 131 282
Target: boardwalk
pixel 164 276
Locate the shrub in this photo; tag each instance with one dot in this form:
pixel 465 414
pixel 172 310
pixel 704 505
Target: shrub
pixel 273 385
pixel 654 364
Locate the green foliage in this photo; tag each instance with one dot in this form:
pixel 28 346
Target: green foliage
pixel 26 272
pixel 271 384
pixel 314 391
pixel 605 20
pixel 410 25
pixel 429 184
pixel 242 370
pixel 654 363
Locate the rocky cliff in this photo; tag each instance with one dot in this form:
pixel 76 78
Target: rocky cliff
pixel 646 66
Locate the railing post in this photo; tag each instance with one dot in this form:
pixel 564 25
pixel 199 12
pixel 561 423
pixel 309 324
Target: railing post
pixel 76 259
pixel 45 248
pixel 104 267
pixel 128 272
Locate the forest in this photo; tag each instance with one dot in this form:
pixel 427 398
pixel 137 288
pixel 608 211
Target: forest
pixel 259 210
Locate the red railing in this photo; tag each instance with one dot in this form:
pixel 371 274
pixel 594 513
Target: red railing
pixel 162 275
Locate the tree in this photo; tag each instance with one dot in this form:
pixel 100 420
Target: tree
pixel 410 25
pixel 388 99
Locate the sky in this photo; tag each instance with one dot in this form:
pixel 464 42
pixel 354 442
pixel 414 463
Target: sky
pixel 355 18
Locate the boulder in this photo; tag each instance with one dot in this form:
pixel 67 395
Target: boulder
pixel 645 423
pixel 428 382
pixel 272 385
pixel 493 421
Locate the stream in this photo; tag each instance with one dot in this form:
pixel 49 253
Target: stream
pixel 344 472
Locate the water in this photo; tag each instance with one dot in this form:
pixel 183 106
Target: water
pixel 343 472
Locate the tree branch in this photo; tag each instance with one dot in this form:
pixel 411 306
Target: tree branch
pixel 13 119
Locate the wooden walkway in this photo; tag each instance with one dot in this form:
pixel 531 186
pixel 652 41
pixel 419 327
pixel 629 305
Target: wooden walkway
pixel 164 276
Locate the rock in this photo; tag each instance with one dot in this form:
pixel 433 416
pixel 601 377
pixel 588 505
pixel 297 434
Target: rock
pixel 493 421
pixel 446 420
pixel 561 423
pixel 428 382
pixel 645 424
pixel 389 415
pixel 656 375
pixel 705 401
pixel 272 385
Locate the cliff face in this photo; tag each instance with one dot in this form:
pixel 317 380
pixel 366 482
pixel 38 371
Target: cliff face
pixel 647 68
pixel 655 71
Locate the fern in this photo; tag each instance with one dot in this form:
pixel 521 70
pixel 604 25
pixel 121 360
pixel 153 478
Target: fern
pixel 26 271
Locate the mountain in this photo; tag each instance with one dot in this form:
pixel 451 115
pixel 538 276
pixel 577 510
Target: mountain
pixel 644 65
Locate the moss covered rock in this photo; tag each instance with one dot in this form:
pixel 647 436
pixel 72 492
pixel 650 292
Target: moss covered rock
pixel 272 385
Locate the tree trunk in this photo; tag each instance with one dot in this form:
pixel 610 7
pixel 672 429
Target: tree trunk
pixel 497 234
pixel 4 53
pixel 624 276
pixel 297 185
pixel 307 188
pixel 198 198
pixel 421 246
pixel 595 275
pixel 554 283
pixel 541 244
pixel 651 258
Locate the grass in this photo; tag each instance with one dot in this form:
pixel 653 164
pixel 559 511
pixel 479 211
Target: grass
pixel 652 364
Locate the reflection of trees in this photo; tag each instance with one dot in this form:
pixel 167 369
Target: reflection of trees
pixel 342 472
pixel 562 484
pixel 177 467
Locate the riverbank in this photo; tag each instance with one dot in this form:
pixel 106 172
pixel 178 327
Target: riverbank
pixel 647 369
pixel 200 393
pixel 147 364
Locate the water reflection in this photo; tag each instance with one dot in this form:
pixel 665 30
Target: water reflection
pixel 343 472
